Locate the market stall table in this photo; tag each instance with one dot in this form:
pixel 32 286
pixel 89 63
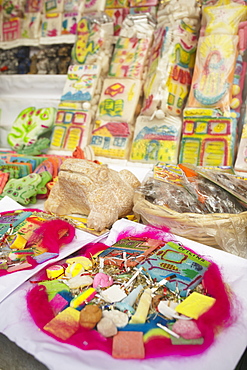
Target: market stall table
pixel 224 354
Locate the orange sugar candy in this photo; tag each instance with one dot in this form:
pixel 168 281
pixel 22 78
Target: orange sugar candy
pixel 65 324
pixel 128 344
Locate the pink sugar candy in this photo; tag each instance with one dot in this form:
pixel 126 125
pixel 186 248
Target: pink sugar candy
pixel 188 329
pixel 102 280
pixel 58 303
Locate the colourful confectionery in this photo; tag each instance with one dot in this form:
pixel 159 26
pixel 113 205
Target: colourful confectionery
pixel 83 298
pixel 54 271
pixel 123 161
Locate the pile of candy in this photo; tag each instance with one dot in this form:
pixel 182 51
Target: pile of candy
pixel 142 297
pixel 28 178
pixel 187 188
pixel 30 237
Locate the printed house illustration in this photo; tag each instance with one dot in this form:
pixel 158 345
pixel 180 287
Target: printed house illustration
pixel 111 140
pixel 157 143
pixel 208 141
pixel 71 129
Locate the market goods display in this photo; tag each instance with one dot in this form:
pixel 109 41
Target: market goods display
pixel 149 82
pixel 193 206
pixel 145 296
pixel 26 178
pixel 30 237
pixel 177 70
pixel 28 129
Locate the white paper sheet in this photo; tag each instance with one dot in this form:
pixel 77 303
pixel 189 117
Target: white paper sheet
pixel 8 283
pixel 17 325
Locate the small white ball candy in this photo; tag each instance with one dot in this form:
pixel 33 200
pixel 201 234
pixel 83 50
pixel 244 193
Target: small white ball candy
pixel 79 282
pixel 106 327
pixel 119 318
pixel 159 114
pixel 86 105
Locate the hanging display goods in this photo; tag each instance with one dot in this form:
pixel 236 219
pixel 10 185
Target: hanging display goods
pixel 71 128
pixel 111 139
pixel 207 139
pixel 145 296
pixel 81 83
pixel 29 127
pixel 119 99
pixel 156 140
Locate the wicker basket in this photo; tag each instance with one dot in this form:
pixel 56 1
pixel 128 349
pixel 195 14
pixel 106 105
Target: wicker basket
pixel 219 230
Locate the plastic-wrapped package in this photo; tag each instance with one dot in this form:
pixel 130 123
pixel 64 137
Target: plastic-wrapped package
pixel 208 138
pixel 213 72
pixel 138 25
pixel 30 127
pixel 12 8
pixel 132 47
pixel 241 160
pixel 156 71
pixel 235 185
pixel 53 7
pixel 129 58
pixel 227 231
pixel 30 26
pixel 73 6
pixel 92 6
pixel 170 69
pixel 69 22
pixel 144 6
pixel 118 15
pixel 94 40
pixel 170 195
pixel 11 29
pixel 81 83
pixel 223 19
pixel 72 127
pixel 116 4
pixel 117 10
pixel 33 6
pixel 172 11
pixel 213 197
pixel 111 139
pixel 119 99
pixel 51 24
pixel 156 139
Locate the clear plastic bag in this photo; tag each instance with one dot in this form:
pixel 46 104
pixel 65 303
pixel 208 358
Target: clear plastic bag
pixel 170 195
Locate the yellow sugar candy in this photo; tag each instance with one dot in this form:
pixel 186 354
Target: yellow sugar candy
pixel 19 242
pixel 195 305
pixel 82 298
pixel 143 307
pixel 74 269
pixel 65 324
pixel 84 261
pixel 235 102
pixel 155 332
pixel 54 271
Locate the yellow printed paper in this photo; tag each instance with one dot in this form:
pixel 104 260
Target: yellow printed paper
pixel 224 19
